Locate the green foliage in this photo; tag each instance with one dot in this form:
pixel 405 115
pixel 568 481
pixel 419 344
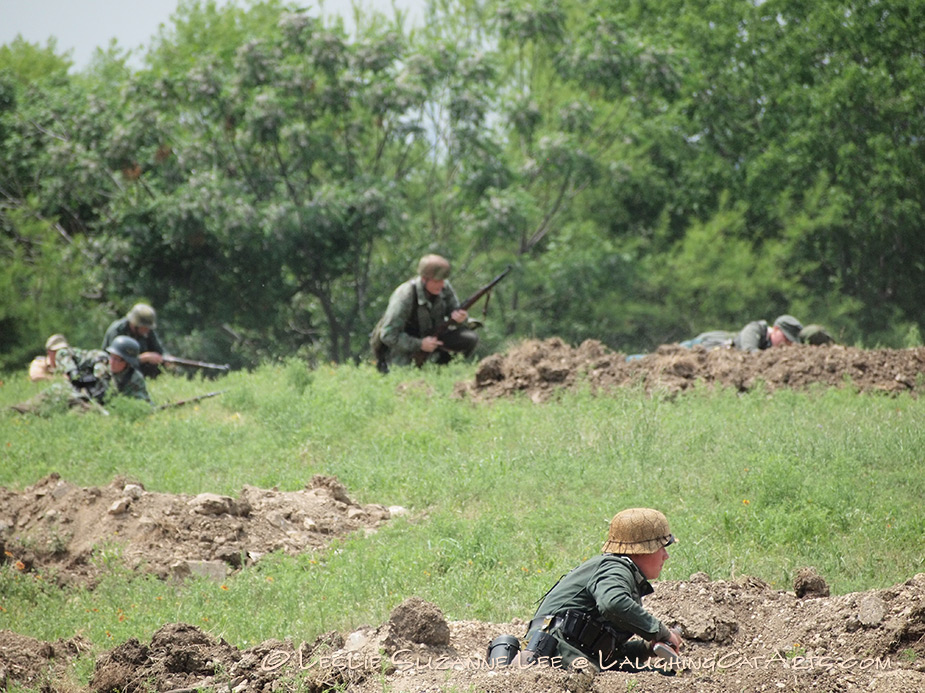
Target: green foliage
pixel 27 63
pixel 266 180
pixel 42 276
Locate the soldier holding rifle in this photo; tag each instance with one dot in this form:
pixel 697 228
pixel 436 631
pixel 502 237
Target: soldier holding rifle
pixel 407 332
pixel 139 324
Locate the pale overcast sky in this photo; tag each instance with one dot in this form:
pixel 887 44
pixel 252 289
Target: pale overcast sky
pixel 84 25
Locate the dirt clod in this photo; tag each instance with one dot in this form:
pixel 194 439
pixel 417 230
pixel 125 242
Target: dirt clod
pixel 808 584
pixel 420 622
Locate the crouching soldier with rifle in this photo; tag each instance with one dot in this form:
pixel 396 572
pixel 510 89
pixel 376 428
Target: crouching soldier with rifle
pixel 593 617
pixel 140 324
pixel 424 321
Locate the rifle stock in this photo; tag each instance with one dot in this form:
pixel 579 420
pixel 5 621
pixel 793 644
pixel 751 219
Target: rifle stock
pixel 421 356
pixel 195 364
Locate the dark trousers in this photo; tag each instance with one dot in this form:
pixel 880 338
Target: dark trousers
pixel 460 340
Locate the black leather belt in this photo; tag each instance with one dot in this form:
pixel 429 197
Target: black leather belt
pixel 586 633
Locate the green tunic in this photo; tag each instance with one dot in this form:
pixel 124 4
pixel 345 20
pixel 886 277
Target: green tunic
pixel 412 313
pixel 74 362
pixel 149 342
pixel 609 588
pixel 88 371
pixel 753 337
pixel 131 383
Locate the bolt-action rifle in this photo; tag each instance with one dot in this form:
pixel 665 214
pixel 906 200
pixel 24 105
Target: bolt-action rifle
pixel 181 402
pixel 196 364
pixel 421 356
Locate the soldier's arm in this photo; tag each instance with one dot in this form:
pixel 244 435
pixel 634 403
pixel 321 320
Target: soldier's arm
pixel 392 333
pixel 749 338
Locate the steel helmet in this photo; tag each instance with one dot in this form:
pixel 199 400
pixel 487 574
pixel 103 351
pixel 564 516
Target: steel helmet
pixel 55 342
pixel 142 315
pixel 126 348
pixel 434 267
pixel 638 530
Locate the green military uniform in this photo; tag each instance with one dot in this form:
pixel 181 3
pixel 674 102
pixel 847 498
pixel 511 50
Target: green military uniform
pixel 413 314
pixel 86 369
pixel 148 342
pixel 131 383
pixel 141 315
pixel 603 595
pixel 755 335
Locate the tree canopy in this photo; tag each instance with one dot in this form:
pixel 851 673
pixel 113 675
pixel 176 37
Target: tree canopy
pixel 653 170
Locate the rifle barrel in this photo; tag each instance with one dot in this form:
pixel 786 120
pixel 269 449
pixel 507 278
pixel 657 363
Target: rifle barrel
pixel 196 364
pixel 420 357
pixel 465 305
pixel 181 402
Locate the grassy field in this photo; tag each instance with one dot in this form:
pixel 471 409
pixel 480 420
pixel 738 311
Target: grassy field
pixel 505 496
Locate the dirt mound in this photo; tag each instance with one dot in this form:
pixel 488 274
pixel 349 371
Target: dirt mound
pixel 59 526
pixel 739 635
pixel 539 369
pixel 32 663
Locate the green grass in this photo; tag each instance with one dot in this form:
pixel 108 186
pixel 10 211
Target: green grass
pixel 506 495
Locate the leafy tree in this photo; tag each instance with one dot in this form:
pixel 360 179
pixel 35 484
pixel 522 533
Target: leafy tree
pixel 793 104
pixel 27 63
pixel 266 177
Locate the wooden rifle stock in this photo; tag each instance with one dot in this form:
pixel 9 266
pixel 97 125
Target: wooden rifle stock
pixel 195 364
pixel 421 356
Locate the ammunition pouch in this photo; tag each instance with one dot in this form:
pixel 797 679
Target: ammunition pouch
pixel 541 645
pixel 595 638
pixel 89 386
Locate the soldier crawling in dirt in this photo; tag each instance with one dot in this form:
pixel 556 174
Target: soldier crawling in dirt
pixel 590 615
pixel 755 336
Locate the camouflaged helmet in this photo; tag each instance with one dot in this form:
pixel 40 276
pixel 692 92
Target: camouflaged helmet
pixel 434 267
pixel 126 348
pixel 638 530
pixel 142 315
pixel 55 342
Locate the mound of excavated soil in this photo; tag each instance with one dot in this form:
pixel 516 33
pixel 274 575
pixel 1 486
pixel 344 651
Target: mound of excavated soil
pixel 539 369
pixel 739 636
pixel 34 664
pixel 59 526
